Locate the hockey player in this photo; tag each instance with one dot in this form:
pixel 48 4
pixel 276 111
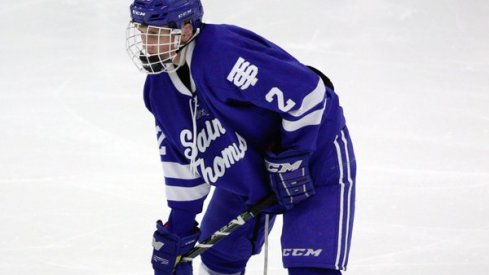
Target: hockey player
pixel 235 111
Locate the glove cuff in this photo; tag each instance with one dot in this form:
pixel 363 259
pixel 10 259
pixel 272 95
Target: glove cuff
pixel 168 246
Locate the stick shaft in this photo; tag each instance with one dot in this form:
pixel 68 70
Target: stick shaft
pixel 232 226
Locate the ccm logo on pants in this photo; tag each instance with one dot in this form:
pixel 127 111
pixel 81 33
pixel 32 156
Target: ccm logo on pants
pixel 305 252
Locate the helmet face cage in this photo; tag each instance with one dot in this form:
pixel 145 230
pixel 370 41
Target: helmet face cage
pixel 151 48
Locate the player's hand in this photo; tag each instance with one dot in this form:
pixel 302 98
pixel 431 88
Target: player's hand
pixel 289 177
pixel 167 247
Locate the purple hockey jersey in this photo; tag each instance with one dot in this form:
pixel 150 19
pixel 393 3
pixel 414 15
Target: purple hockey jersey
pixel 246 95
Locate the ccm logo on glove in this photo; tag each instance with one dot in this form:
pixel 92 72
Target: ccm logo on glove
pixel 282 167
pixel 157 245
pixel 289 177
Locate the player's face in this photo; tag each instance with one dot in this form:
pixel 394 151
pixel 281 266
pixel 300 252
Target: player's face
pixel 157 41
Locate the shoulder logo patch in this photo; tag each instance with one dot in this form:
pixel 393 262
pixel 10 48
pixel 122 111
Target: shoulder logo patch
pixel 243 74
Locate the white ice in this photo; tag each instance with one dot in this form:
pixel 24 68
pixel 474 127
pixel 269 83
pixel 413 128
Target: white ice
pixel 80 177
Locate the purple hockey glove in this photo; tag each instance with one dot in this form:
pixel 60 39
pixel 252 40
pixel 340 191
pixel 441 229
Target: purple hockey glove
pixel 289 177
pixel 166 249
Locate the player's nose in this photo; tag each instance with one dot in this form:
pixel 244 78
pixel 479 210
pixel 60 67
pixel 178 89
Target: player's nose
pixel 151 48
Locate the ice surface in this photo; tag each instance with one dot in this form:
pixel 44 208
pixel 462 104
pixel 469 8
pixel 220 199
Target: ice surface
pixel 80 178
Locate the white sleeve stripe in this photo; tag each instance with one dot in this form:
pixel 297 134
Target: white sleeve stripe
pixel 311 100
pixel 177 193
pixel 178 171
pixel 313 118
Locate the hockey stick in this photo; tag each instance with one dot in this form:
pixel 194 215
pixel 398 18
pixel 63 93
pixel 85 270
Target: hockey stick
pixel 228 229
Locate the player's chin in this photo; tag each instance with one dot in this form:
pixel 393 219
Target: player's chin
pixel 164 58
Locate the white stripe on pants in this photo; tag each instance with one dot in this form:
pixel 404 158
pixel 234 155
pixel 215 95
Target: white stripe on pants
pixel 343 158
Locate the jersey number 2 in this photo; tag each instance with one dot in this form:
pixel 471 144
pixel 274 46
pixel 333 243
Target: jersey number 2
pixel 282 105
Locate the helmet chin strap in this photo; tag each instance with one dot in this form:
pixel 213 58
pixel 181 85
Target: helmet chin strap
pixel 197 31
pixel 182 51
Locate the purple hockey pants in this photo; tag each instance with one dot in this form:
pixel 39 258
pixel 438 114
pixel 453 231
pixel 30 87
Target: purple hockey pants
pixel 316 233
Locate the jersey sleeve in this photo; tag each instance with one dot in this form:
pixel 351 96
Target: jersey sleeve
pixel 185 189
pixel 257 71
